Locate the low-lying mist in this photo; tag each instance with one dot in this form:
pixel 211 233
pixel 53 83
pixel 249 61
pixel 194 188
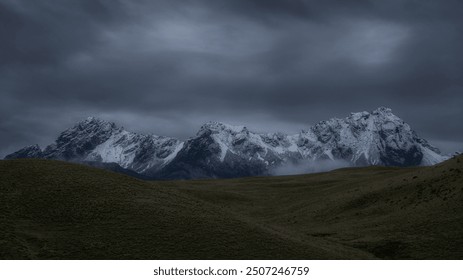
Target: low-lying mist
pixel 309 166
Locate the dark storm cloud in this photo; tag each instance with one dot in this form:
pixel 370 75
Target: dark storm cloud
pixel 168 66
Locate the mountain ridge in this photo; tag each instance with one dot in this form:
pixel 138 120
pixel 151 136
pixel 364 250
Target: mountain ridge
pixel 219 150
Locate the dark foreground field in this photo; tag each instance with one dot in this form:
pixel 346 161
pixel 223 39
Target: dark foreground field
pixel 57 210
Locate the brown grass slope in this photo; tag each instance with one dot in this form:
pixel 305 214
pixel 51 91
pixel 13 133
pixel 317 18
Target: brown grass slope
pixel 392 213
pixel 58 210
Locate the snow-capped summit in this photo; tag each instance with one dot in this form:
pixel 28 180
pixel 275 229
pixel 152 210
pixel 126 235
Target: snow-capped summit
pixel 32 151
pixel 383 110
pixel 376 138
pixel 96 140
pixel 222 150
pixel 217 127
pixel 94 124
pixel 74 143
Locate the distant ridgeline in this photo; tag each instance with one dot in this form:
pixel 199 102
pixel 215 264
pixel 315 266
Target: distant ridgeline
pixel 219 150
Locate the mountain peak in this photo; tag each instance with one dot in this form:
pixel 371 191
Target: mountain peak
pixel 94 123
pixel 32 151
pixel 91 119
pixel 382 111
pixel 219 127
pixel 94 120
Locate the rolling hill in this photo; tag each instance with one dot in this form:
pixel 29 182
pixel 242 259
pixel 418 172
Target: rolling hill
pixel 59 210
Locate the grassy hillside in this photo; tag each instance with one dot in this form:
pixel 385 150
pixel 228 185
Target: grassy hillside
pixel 57 210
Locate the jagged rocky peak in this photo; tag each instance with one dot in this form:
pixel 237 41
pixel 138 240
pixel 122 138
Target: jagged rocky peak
pixel 369 138
pixel 366 120
pixel 91 127
pixel 95 124
pixel 382 111
pixel 360 115
pixel 32 151
pixel 75 143
pixel 218 127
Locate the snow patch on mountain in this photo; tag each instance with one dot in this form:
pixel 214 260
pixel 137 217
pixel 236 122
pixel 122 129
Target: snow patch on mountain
pixel 221 150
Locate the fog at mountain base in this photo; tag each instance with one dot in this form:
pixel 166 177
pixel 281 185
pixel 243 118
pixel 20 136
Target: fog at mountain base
pixel 309 166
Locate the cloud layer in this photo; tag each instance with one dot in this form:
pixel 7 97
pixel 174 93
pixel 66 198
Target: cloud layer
pixel 166 67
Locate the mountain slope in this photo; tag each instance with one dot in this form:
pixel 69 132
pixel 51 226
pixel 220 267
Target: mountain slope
pixel 58 210
pixel 223 151
pixel 389 212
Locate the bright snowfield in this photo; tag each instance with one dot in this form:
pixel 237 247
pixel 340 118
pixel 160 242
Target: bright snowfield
pixel 221 150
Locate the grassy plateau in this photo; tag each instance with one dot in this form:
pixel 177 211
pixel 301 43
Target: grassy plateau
pixel 58 210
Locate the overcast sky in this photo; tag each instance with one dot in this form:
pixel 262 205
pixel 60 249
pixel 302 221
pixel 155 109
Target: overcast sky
pixel 167 66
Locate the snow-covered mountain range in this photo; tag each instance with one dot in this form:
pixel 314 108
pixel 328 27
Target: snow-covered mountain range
pixel 224 151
